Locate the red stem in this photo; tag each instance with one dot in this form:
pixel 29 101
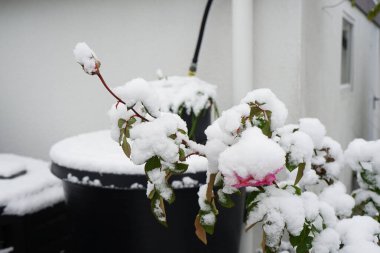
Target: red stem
pixel 117 98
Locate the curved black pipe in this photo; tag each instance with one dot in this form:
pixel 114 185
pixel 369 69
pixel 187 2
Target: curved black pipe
pixel 193 66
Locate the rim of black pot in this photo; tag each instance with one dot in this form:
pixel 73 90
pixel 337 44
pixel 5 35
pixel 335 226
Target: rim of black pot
pixel 121 181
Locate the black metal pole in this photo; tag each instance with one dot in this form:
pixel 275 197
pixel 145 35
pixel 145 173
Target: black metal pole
pixel 193 66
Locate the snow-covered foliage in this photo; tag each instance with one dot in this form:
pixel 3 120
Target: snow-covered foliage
pixel 31 191
pixel 363 157
pixel 187 94
pixel 86 58
pixel 290 171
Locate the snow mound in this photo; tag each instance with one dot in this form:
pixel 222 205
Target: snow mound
pixel 187 93
pixel 30 192
pixel 97 152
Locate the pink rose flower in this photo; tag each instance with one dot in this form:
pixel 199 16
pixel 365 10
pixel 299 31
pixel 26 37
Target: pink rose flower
pixel 251 181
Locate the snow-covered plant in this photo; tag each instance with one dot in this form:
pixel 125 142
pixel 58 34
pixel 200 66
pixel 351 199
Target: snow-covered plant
pixel 187 96
pixel 363 157
pixel 288 173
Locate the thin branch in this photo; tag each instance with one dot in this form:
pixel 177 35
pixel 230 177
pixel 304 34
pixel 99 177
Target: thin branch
pixel 119 100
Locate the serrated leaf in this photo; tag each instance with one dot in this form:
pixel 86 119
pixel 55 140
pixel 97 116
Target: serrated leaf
pixel 126 148
pixel 153 163
pixel 121 123
pixel 199 230
pixel 301 168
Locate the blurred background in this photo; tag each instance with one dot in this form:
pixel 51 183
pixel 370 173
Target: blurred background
pixel 322 58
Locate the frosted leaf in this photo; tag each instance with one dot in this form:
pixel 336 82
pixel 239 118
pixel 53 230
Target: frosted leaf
pixel 270 102
pixel 152 139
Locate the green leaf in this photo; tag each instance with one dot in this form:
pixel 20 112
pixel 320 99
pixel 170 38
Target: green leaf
pixel 121 123
pixel 182 131
pixel 126 132
pixel 182 156
pixel 209 228
pixel 180 167
pixel 288 165
pixel 298 190
pixel 158 209
pixel 153 163
pixel 302 242
pixel 172 136
pixel 301 168
pixel 225 199
pixel 131 121
pixel 126 147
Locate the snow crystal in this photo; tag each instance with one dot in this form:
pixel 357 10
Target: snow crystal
pixel 298 144
pixel 151 138
pixel 314 128
pixel 335 195
pixel 208 219
pixel 288 205
pixel 85 180
pixel 254 155
pixel 202 198
pixel 327 241
pixel 359 232
pixel 273 226
pixel 10 168
pixel 327 213
pixel 139 90
pixel 187 92
pixel 136 186
pixel 270 102
pixel 87 58
pixel 361 153
pixel 311 205
pixel 31 192
pixel 187 182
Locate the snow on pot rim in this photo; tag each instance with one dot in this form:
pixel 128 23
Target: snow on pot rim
pixel 94 159
pixel 187 92
pixel 31 191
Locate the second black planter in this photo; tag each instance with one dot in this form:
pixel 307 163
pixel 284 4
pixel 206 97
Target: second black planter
pixel 120 220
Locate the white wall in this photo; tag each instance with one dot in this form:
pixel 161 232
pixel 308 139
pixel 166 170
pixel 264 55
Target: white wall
pixel 45 96
pixel 346 111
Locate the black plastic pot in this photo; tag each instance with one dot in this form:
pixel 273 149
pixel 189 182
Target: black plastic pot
pixel 119 219
pixel 45 231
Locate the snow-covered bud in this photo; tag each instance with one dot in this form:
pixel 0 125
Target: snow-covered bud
pixel 86 58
